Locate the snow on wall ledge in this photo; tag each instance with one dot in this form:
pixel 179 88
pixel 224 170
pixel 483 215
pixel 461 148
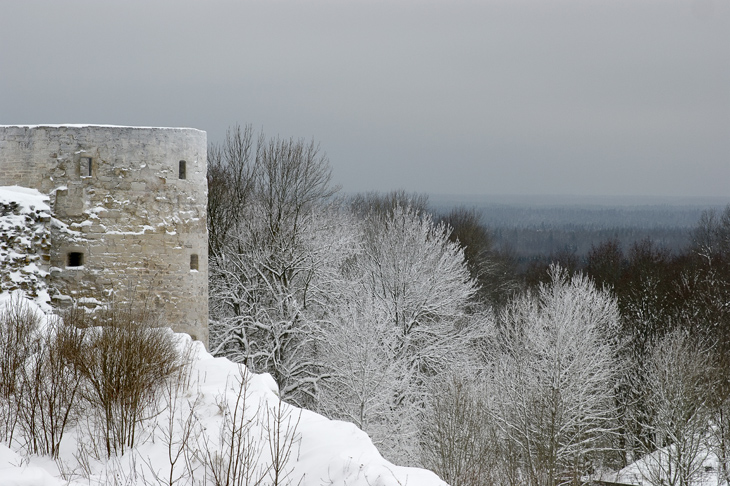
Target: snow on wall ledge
pixel 129 208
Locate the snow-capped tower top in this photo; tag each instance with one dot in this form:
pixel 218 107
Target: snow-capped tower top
pixel 130 212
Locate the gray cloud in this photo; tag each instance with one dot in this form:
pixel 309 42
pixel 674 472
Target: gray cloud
pixel 519 96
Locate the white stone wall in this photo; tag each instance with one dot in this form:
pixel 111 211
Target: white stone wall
pixel 117 200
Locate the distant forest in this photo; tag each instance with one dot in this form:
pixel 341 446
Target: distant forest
pixel 533 228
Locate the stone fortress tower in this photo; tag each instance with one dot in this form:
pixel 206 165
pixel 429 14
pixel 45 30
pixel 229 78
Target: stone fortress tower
pixel 129 211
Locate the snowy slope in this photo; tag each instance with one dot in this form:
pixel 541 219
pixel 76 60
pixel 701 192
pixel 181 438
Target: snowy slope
pixel 323 452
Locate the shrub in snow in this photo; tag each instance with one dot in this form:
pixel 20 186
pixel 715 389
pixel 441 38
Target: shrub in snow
pixel 19 324
pixel 211 422
pixel 124 363
pixel 48 402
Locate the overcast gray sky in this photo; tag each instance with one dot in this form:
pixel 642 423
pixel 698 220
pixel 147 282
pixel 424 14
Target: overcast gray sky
pixel 602 97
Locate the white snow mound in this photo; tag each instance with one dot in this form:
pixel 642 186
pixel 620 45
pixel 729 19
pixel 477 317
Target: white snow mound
pixel 323 453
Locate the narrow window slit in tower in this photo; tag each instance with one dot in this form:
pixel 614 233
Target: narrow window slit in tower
pixel 85 166
pixel 193 262
pixel 75 259
pixel 181 169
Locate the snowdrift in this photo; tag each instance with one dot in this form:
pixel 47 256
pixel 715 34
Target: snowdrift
pixel 321 451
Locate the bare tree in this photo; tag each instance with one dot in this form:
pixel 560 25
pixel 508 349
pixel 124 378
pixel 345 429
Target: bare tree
pixel 493 270
pixel 49 387
pixel 284 441
pixel 231 169
pixel 459 440
pixel 124 364
pixel 292 178
pixel 18 341
pixel 711 238
pixel 237 458
pixel 375 203
pixel 681 381
pixel 178 427
pixel 721 431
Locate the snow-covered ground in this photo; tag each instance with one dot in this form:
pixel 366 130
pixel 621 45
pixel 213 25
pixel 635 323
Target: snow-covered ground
pixel 323 451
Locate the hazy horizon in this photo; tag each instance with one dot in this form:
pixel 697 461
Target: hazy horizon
pixel 580 200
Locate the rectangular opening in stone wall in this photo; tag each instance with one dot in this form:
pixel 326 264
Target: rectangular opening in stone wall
pixel 75 259
pixel 193 262
pixel 182 169
pixel 85 166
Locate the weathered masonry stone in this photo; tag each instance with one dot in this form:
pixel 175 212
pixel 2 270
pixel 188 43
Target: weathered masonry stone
pixel 129 212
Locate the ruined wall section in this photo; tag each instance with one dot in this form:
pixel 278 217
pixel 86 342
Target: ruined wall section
pixel 125 217
pixel 25 242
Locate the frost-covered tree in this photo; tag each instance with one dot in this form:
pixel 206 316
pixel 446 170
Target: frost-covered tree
pixel 401 321
pixel 412 272
pixel 369 383
pixel 554 379
pixel 265 274
pixel 721 432
pixel 711 237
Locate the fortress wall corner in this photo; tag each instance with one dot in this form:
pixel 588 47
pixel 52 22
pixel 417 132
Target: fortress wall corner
pixel 129 207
